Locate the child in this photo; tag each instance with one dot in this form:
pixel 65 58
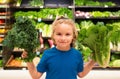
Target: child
pixel 61 61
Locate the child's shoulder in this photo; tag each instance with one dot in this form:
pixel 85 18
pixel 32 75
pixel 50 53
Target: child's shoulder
pixel 75 51
pixel 50 51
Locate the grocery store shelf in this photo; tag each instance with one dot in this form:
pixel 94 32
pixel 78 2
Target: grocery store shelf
pixel 98 7
pixel 4 6
pixel 0 56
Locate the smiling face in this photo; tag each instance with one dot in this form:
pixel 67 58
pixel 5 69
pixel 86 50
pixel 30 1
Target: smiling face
pixel 64 33
pixel 63 36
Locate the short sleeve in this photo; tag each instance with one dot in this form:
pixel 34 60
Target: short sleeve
pixel 42 66
pixel 80 65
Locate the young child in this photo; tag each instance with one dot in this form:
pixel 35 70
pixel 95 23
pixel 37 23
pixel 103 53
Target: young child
pixel 62 61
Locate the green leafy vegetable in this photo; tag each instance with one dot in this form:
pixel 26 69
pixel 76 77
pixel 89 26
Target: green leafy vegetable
pixel 115 35
pixel 36 3
pixel 1 63
pixel 23 35
pixel 97 38
pixel 93 3
pixel 18 2
pixel 115 63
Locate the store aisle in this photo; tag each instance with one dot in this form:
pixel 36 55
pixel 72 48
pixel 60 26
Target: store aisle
pixel 94 74
pixel 103 74
pixel 14 74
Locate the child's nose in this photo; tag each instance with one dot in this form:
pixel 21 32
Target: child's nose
pixel 63 37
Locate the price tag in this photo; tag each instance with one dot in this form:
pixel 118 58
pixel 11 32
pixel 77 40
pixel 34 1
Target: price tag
pixel 39 19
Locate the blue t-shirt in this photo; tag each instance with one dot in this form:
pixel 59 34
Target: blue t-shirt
pixel 61 64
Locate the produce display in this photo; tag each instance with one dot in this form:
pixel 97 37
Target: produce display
pixel 45 28
pixel 23 35
pixel 94 3
pixel 115 35
pixel 18 2
pixel 3 30
pixel 6 1
pixel 1 39
pixel 16 62
pixel 29 14
pixel 45 13
pixel 115 63
pixel 4 13
pixel 51 13
pixel 115 59
pixel 2 21
pixel 36 3
pixel 1 63
pixel 33 3
pixel 97 38
pixel 97 14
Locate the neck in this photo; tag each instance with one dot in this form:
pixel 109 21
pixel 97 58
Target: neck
pixel 63 48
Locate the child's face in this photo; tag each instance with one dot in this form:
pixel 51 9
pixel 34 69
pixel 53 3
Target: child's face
pixel 63 36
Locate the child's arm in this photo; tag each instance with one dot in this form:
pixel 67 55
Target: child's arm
pixel 33 71
pixel 31 67
pixel 87 67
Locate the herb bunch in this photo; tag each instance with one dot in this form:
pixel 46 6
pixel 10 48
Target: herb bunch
pixel 23 35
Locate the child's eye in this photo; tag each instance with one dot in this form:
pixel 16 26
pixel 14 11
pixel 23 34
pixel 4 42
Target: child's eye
pixel 67 34
pixel 58 34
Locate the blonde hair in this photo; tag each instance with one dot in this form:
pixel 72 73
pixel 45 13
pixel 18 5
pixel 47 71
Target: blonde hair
pixel 64 20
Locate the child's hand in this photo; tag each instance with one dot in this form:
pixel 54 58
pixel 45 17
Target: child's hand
pixel 24 54
pixel 41 40
pixel 51 43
